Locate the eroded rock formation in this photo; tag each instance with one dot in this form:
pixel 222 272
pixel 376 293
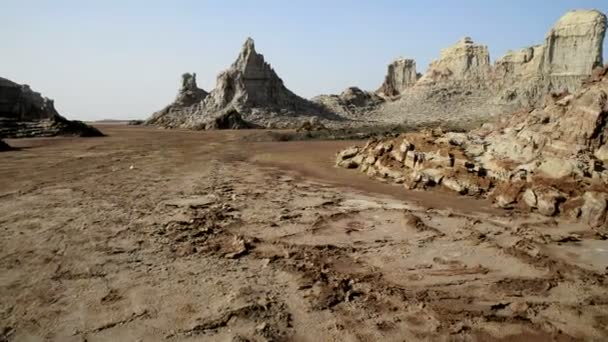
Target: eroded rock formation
pixel 463 61
pixel 251 87
pixel 229 119
pixel 401 74
pixel 26 113
pixel 186 104
pixel 573 47
pixel 553 160
pixel 462 85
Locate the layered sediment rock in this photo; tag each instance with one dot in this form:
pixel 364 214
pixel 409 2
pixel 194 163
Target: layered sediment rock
pixel 462 85
pixel 573 47
pixel 401 74
pixel 553 160
pixel 250 87
pixel 463 61
pixel 26 113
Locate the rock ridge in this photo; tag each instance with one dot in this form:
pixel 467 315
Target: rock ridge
pixel 462 84
pixel 26 113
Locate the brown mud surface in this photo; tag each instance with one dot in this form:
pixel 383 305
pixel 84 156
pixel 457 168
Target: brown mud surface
pixel 153 235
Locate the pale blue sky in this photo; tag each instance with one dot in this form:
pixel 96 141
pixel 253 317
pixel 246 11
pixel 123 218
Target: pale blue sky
pixel 123 59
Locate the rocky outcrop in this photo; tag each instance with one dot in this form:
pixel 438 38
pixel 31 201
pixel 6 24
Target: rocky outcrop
pixel 352 103
pixel 314 124
pixel 26 113
pixel 573 47
pixel 251 87
pixel 550 159
pixel 186 104
pixel 463 86
pixel 463 61
pixel 401 74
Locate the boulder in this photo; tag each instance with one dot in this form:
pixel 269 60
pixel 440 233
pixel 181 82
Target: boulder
pixel 548 199
pixel 602 153
pixel 553 167
pixel 348 153
pixel 507 194
pixel 529 197
pixel 455 185
pixel 593 211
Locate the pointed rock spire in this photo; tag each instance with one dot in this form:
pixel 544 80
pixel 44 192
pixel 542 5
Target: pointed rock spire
pixel 189 92
pixel 249 86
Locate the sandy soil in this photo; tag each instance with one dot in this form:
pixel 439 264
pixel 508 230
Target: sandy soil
pixel 152 235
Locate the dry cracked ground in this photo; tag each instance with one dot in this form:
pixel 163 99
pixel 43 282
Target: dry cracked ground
pixel 152 235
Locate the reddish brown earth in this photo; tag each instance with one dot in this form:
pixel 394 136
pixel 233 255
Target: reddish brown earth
pixel 153 235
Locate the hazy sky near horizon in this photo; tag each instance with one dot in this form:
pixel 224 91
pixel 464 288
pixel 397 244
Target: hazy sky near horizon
pixel 123 59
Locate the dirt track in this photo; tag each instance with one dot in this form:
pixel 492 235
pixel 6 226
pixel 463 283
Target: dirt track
pixel 208 237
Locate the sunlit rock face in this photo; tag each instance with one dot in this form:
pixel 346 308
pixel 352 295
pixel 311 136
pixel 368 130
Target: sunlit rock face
pixel 401 74
pixel 463 61
pixel 462 85
pixel 249 87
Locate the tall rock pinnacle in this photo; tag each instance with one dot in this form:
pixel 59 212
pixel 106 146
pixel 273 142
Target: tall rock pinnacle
pixel 400 75
pixel 573 46
pixel 250 87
